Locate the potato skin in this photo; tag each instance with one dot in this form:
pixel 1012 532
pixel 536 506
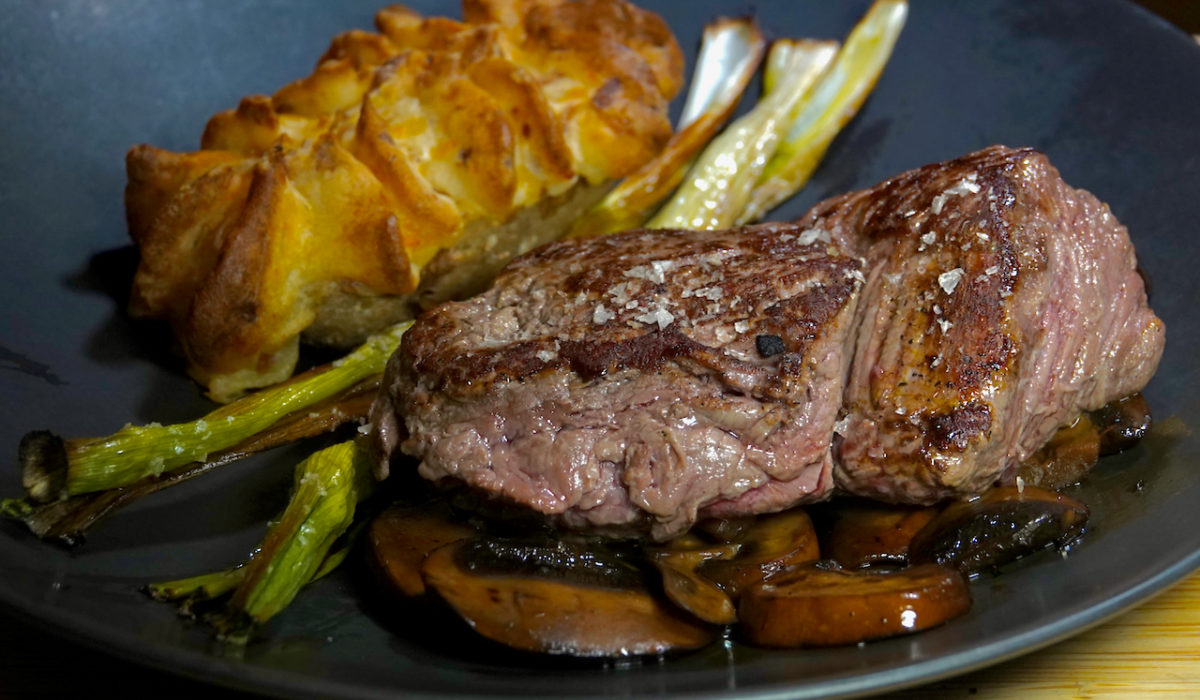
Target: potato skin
pixel 813 607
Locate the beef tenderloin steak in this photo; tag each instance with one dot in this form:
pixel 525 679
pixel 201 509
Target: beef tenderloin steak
pixel 1000 303
pixel 635 382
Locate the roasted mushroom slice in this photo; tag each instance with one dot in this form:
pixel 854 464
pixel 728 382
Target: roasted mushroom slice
pixel 1122 423
pixel 678 562
pixel 771 544
pixel 558 598
pixel 866 533
pixel 402 536
pixel 816 607
pixel 1002 525
pixel 1063 461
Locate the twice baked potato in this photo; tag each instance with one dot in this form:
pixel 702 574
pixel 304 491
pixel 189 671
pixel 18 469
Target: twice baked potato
pixel 404 171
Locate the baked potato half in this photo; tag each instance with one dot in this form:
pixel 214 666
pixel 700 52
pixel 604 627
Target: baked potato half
pixel 404 171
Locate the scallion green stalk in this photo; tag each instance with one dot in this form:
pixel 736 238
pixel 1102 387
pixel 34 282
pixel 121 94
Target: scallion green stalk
pixel 729 55
pixel 834 102
pixel 135 452
pixel 721 181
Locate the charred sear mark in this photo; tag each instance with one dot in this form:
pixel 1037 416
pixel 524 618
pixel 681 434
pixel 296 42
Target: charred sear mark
pixel 769 345
pixel 472 371
pixel 799 320
pixel 595 358
pixel 957 428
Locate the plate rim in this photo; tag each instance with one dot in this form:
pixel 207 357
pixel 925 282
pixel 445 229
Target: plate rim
pixel 205 667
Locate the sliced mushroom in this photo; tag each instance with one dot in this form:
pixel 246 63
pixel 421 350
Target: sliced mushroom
pixel 725 530
pixel 558 598
pixel 678 562
pixel 816 607
pixel 771 544
pixel 402 536
pixel 1063 461
pixel 1002 525
pixel 866 533
pixel 1122 423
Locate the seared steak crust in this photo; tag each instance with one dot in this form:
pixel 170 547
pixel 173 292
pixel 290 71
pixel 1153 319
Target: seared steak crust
pixel 618 382
pixel 999 303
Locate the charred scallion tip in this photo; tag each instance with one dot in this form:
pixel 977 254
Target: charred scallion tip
pixel 16 508
pixel 297 550
pixel 720 183
pixel 202 587
pixel 44 464
pixel 137 452
pixel 67 520
pixel 834 101
pixel 730 52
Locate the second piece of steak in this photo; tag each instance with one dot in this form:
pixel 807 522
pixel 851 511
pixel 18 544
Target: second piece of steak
pixel 999 303
pixel 636 381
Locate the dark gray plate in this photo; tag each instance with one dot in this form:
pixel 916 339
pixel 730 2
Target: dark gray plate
pixel 1110 93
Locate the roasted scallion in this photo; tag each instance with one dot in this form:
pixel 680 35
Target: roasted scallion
pixel 328 487
pixel 67 520
pixel 834 102
pixel 729 55
pixel 297 549
pixel 719 184
pixel 55 469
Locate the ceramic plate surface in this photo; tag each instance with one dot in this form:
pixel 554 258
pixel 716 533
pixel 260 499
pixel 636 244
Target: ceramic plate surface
pixel 1109 92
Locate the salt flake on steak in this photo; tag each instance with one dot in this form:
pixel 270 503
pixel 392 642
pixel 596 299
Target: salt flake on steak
pixel 812 235
pixel 657 315
pixel 949 280
pixel 967 185
pixel 601 315
pixel 654 272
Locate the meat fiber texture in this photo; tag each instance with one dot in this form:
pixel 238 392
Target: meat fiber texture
pixel 911 342
pixel 637 381
pixel 999 303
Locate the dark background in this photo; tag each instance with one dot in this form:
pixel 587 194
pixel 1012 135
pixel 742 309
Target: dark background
pixel 34 663
pixel 1185 14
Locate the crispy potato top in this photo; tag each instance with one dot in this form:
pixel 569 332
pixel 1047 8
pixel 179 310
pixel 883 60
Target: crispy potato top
pixel 350 180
